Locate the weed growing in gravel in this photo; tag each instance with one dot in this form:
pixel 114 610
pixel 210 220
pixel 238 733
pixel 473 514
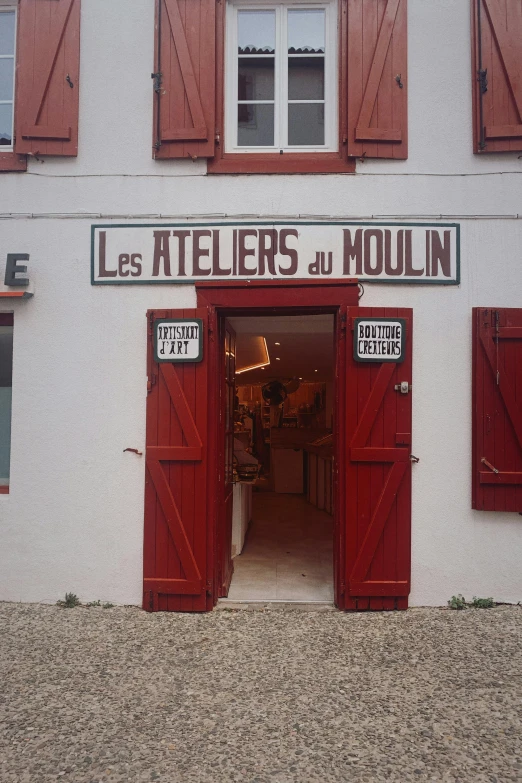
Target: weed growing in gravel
pixel 107 605
pixel 482 603
pixel 71 600
pixel 93 603
pixel 457 602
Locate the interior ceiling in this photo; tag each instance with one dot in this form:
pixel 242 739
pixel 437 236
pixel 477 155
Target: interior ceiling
pixel 306 346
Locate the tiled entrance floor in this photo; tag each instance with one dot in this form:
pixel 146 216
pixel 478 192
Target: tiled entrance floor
pixel 288 552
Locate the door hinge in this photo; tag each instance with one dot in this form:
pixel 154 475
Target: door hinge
pixel 343 323
pixel 150 317
pixel 151 382
pixel 209 587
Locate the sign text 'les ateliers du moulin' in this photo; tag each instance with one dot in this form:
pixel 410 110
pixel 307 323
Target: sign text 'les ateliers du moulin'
pixel 380 252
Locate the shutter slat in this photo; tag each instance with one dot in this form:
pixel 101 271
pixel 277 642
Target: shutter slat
pixel 47 102
pixel 377 79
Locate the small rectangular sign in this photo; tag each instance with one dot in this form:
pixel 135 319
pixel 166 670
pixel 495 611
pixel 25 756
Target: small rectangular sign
pixel 379 339
pixel 178 340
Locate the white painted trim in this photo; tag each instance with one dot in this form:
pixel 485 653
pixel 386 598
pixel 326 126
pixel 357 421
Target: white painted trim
pixel 331 77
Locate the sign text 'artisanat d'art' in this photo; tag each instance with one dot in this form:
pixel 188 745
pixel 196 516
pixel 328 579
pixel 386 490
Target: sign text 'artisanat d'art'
pixel 178 340
pixel 378 252
pixel 379 339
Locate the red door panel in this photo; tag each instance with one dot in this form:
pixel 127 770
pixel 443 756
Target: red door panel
pixel 226 467
pixel 176 502
pixel 378 474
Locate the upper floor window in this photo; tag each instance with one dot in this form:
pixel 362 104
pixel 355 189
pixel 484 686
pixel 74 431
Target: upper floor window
pixel 281 78
pixel 7 75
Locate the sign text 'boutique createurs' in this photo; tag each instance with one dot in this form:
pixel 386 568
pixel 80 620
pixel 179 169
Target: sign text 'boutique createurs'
pixel 384 252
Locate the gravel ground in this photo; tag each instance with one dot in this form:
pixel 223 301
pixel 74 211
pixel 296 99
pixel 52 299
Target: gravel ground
pixel 265 696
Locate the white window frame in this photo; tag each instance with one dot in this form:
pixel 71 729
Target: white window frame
pixel 331 76
pixel 3 10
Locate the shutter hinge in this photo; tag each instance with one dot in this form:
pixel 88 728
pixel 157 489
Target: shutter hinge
pixel 482 78
pixel 150 317
pixel 151 382
pixel 158 81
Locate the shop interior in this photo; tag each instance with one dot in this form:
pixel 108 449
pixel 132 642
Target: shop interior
pixel 282 526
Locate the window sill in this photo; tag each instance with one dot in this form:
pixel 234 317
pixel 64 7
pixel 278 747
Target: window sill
pixel 10 161
pixel 288 163
pixel 4 490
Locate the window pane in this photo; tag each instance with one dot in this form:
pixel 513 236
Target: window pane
pixel 256 31
pixel 256 79
pixel 6 124
pixel 6 364
pixel 255 125
pixel 6 79
pixel 7 32
pixel 306 31
pixel 306 78
pixel 306 124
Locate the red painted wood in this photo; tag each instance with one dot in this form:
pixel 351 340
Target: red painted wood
pixel 176 513
pixel 377 54
pixel 184 106
pixel 226 443
pixel 378 476
pixel 46 106
pixel 500 31
pixel 4 490
pixel 497 409
pixel 10 161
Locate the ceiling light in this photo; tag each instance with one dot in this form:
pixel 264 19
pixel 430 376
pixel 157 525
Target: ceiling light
pixel 277 343
pixel 316 370
pixel 278 360
pixel 300 379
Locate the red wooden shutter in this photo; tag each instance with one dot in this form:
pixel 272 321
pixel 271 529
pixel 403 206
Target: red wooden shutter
pixel 497 409
pixel 176 505
pixel 46 121
pixel 497 75
pixel 185 79
pixel 378 475
pixel 377 79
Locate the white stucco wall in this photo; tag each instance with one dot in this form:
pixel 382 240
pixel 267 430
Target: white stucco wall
pixel 74 517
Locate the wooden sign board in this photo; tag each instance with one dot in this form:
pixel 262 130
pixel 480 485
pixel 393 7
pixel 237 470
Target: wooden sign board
pixel 178 340
pixel 379 339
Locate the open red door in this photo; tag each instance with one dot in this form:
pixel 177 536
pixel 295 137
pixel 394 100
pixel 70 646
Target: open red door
pixel 377 461
pixel 226 438
pixel 177 509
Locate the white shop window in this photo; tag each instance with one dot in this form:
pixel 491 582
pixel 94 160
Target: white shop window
pixel 6 383
pixel 281 78
pixel 7 76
